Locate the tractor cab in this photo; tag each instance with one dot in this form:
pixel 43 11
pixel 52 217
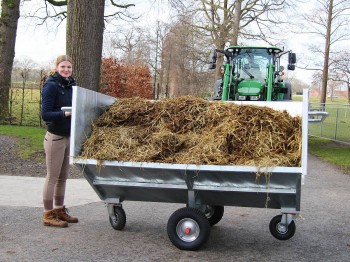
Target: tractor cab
pixel 253 73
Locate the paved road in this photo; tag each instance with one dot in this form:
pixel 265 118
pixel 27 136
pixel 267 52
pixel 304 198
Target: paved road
pixel 323 231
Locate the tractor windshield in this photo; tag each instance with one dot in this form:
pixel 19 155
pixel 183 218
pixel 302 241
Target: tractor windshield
pixel 252 63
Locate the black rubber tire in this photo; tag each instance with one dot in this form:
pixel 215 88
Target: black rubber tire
pixel 288 96
pixel 179 219
pixel 214 214
pixel 274 224
pixel 120 221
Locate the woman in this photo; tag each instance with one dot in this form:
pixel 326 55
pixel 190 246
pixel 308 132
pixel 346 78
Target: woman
pixel 57 93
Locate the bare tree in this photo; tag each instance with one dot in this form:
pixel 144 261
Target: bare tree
pixel 183 60
pixel 85 27
pixel 136 45
pixel 132 45
pixel 329 21
pixel 341 70
pixel 25 67
pixel 234 21
pixel 8 28
pixel 297 84
pixel 159 60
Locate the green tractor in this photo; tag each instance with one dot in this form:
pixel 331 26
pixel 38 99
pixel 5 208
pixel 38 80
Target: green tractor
pixel 252 74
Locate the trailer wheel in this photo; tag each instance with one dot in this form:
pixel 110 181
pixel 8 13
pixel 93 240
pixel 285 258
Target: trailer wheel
pixel 188 228
pixel 214 214
pixel 280 231
pixel 118 222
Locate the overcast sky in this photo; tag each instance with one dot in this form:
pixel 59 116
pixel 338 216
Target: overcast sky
pixel 43 44
pixel 38 44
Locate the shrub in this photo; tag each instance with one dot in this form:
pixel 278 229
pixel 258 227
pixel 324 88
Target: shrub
pixel 125 80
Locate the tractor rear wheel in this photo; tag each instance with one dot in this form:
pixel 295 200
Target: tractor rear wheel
pixel 288 95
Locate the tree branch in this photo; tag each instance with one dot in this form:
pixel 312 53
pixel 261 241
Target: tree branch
pixel 57 3
pixel 121 6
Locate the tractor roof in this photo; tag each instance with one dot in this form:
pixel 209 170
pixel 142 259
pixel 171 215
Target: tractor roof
pixel 274 48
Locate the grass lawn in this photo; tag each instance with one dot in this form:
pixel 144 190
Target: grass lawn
pixel 332 152
pixel 30 139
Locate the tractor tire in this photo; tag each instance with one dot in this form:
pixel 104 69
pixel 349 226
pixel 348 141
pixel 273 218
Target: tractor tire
pixel 288 95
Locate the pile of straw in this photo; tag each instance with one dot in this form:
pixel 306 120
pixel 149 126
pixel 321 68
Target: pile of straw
pixel 191 130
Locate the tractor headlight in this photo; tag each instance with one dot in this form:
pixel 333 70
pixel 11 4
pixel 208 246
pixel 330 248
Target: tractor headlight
pixel 254 98
pixel 242 98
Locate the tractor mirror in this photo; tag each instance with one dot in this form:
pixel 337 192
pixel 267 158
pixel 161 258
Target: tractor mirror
pixel 291 67
pixel 292 58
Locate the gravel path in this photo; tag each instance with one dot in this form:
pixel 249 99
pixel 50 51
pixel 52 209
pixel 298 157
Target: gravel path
pixel 12 164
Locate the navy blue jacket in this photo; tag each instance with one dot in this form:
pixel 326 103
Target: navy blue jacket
pixel 57 92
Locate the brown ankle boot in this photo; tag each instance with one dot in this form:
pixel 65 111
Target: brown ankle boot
pixel 62 213
pixel 50 219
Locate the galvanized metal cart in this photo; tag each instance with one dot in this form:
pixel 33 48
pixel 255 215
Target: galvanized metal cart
pixel 204 189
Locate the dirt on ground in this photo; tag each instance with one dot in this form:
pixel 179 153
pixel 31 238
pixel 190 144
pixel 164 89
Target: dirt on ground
pixel 12 164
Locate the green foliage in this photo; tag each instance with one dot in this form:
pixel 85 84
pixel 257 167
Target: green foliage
pixel 332 152
pixel 30 140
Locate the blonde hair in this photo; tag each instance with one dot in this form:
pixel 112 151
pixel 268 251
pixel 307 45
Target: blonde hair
pixel 60 59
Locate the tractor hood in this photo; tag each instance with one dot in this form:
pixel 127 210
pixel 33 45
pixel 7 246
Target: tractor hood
pixel 249 87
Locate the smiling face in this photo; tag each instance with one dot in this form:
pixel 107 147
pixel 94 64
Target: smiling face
pixel 65 69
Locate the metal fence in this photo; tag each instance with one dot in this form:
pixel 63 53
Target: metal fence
pixel 25 110
pixel 336 126
pixel 25 106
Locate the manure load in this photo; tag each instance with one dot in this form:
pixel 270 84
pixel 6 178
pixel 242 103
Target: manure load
pixel 205 155
pixel 191 130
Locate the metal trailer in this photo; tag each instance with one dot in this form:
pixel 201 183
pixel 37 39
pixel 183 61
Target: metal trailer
pixel 204 189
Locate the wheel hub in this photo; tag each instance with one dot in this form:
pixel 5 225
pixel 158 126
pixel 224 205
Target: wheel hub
pixel 282 229
pixel 209 211
pixel 187 230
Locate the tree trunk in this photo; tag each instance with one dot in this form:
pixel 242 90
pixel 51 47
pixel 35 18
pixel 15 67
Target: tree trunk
pixel 236 23
pixel 220 44
pixel 326 54
pixel 8 28
pixel 223 38
pixel 85 27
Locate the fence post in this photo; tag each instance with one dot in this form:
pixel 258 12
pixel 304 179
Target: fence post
pixel 336 123
pixel 11 102
pixel 322 108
